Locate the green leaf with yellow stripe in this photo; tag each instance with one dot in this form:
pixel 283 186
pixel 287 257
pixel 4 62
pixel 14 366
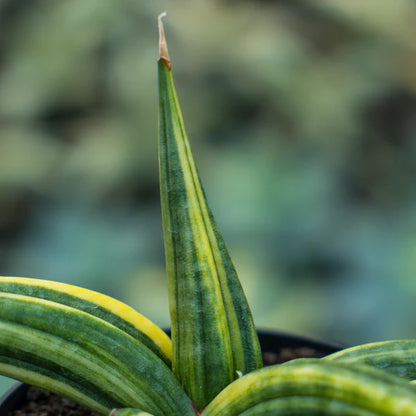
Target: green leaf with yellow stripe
pixel 397 356
pixel 102 306
pixel 47 339
pixel 213 334
pixel 316 387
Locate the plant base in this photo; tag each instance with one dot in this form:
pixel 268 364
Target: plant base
pixel 277 348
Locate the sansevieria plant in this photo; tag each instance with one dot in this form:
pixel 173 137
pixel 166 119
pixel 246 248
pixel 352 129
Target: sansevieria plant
pixel 101 353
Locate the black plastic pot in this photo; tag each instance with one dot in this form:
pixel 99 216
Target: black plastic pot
pixel 271 342
pixel 13 399
pixel 275 341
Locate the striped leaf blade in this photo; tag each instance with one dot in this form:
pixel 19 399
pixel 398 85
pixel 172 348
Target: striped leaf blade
pixel 396 357
pixel 104 307
pixel 213 334
pixel 53 382
pixel 319 387
pixel 80 356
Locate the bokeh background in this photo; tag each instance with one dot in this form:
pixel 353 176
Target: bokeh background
pixel 302 117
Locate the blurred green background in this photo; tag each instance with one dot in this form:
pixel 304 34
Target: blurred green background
pixel 302 117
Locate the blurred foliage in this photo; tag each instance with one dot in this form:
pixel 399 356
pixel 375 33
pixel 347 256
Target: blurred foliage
pixel 302 116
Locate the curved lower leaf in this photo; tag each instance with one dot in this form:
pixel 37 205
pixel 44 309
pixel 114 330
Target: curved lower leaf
pixel 56 383
pixel 310 406
pixel 366 388
pixel 89 357
pixel 104 307
pixel 397 357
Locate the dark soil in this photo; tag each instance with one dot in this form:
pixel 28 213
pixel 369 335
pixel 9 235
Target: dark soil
pixel 42 403
pixel 287 354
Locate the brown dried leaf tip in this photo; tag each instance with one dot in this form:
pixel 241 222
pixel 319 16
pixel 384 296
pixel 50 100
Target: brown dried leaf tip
pixel 163 47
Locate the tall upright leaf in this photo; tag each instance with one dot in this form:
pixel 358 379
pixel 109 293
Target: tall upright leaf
pixel 213 334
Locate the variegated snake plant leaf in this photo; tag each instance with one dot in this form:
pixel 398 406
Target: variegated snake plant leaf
pixel 101 353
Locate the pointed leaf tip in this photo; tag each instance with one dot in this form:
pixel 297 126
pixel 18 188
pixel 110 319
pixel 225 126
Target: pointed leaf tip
pixel 200 271
pixel 163 47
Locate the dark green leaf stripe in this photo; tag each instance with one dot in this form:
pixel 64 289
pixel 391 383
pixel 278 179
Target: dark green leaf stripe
pixel 366 388
pixel 213 333
pixel 96 304
pixel 92 354
pixel 397 357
